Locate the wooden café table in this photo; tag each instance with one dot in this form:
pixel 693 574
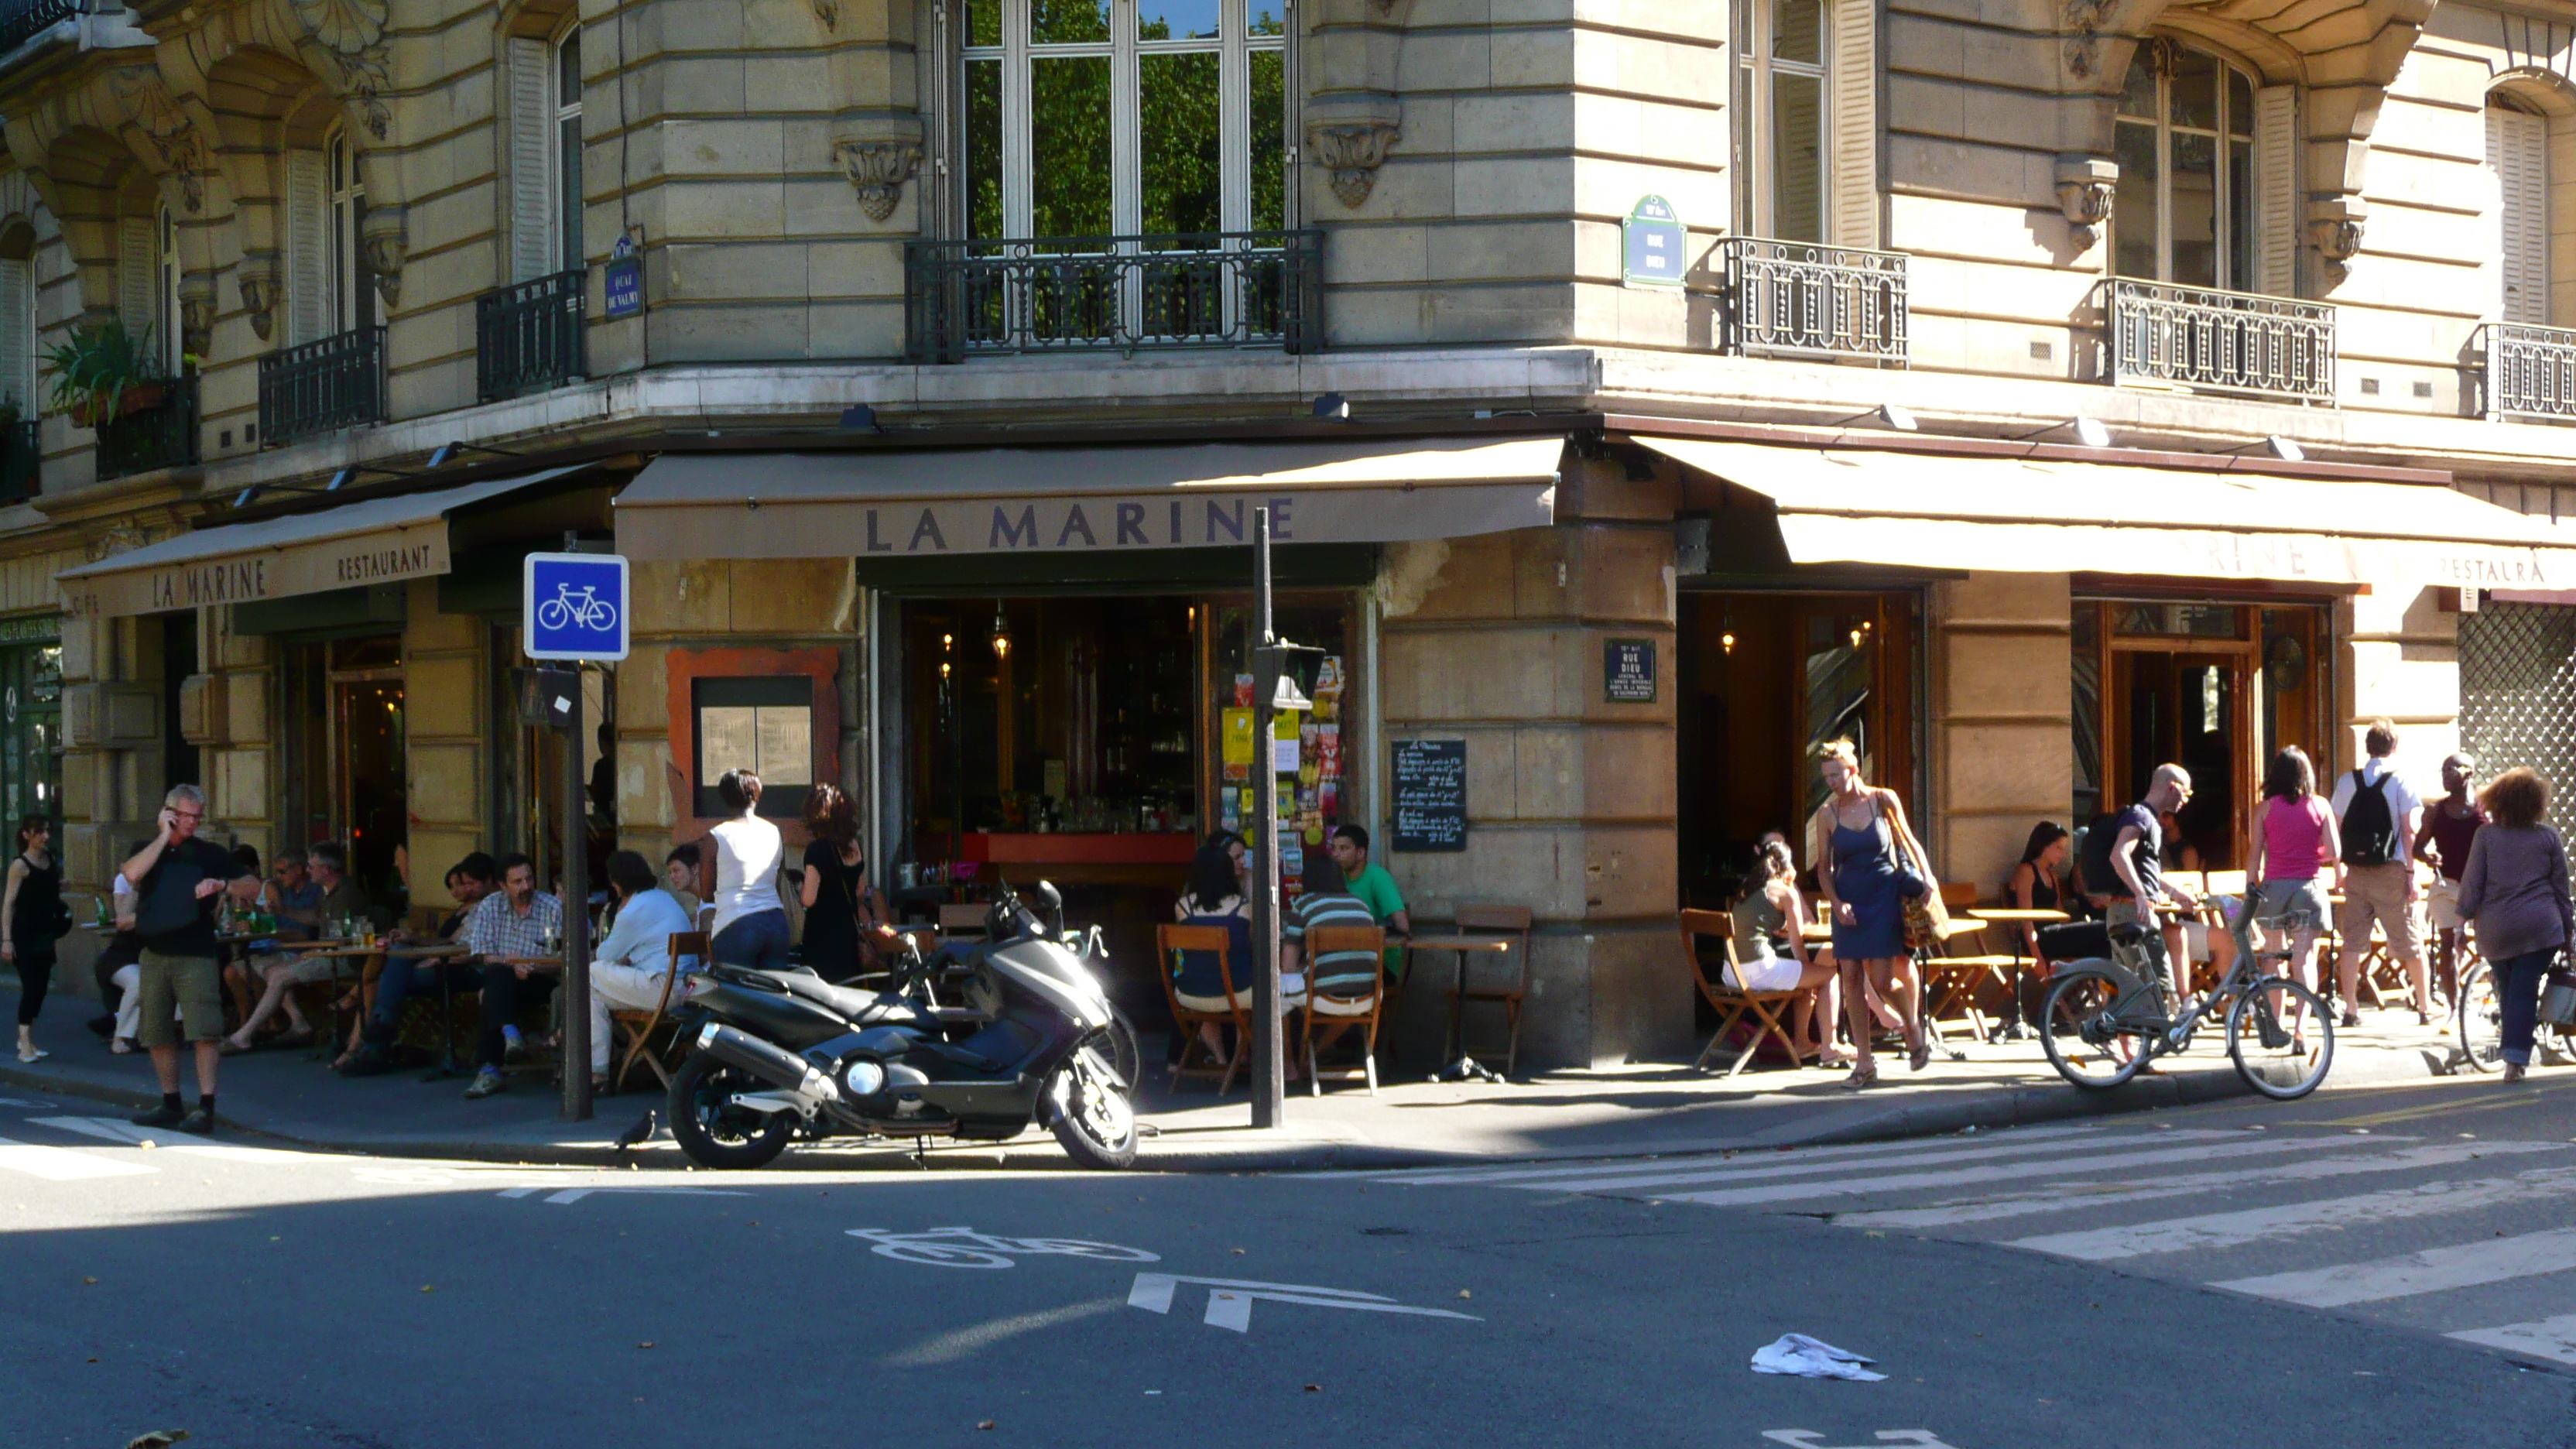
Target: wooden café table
pixel 1458 946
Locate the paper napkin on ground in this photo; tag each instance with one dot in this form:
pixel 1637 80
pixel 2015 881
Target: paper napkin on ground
pixel 1808 1358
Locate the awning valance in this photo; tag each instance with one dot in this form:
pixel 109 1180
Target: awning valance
pixel 1080 499
pixel 379 541
pixel 1949 511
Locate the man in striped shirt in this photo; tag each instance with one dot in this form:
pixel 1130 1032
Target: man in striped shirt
pixel 1338 983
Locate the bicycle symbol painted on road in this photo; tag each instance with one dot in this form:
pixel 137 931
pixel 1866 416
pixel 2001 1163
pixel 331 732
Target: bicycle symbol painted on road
pixel 963 1247
pixel 577 608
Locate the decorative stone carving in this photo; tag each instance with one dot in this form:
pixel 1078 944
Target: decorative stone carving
pixel 257 278
pixel 828 12
pixel 1353 152
pixel 2335 228
pixel 878 168
pixel 383 242
pixel 150 108
pixel 2086 186
pixel 353 31
pixel 2083 19
pixel 197 313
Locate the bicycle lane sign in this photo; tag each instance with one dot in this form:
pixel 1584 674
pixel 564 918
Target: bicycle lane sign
pixel 574 606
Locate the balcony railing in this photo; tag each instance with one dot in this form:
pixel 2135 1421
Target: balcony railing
pixel 164 436
pixel 338 382
pixel 21 459
pixel 1123 293
pixel 24 20
pixel 2213 341
pixel 528 336
pixel 1804 299
pixel 2530 371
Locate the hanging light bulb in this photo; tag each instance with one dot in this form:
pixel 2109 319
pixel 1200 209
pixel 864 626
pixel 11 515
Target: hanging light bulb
pixel 1726 641
pixel 947 642
pixel 943 671
pixel 1001 633
pixel 1855 637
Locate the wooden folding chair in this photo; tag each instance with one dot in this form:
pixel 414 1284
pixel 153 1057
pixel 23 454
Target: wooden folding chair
pixel 635 1028
pixel 1171 939
pixel 1733 1003
pixel 1513 924
pixel 1364 1012
pixel 1955 972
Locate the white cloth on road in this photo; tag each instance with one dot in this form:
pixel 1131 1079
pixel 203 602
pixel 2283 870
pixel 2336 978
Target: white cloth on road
pixel 1808 1358
pixel 618 988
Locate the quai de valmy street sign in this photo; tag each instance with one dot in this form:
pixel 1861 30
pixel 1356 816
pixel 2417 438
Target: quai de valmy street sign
pixel 573 606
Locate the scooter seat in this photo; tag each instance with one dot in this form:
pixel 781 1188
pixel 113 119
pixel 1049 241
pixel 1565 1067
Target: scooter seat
pixel 867 1008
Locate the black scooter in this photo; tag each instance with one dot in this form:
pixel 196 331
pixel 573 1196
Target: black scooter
pixel 1031 1036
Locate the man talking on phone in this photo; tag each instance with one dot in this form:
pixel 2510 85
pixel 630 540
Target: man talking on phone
pixel 176 878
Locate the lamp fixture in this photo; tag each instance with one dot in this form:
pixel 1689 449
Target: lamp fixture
pixel 445 453
pixel 1333 407
pixel 1893 416
pixel 1288 697
pixel 1001 633
pixel 2276 445
pixel 860 418
pixel 2089 432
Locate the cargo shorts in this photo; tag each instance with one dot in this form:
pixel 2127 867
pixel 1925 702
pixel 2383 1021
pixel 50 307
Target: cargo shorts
pixel 193 985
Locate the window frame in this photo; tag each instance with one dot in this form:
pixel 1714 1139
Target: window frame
pixel 2230 233
pixel 344 260
pixel 165 300
pixel 1757 71
pixel 1234 45
pixel 2544 313
pixel 564 234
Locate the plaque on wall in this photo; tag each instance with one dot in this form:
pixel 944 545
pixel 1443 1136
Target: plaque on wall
pixel 1628 671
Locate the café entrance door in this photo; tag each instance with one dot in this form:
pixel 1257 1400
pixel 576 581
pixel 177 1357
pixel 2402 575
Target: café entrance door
pixel 2189 708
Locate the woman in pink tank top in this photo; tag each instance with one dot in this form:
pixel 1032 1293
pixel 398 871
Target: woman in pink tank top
pixel 2294 840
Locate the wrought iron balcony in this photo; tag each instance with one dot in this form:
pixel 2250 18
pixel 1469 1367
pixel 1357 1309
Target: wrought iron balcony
pixel 1805 299
pixel 1121 293
pixel 2212 341
pixel 528 336
pixel 338 382
pixel 2530 371
pixel 162 436
pixel 23 20
pixel 21 457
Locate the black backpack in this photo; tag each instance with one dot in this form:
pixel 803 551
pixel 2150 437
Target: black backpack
pixel 2369 826
pixel 2095 875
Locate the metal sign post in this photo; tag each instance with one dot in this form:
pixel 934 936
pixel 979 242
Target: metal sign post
pixel 573 607
pixel 1269 1082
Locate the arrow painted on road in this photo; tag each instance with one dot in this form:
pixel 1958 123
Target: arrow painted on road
pixel 1806 1439
pixel 572 1195
pixel 1230 1299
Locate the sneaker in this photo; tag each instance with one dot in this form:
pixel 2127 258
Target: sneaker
pixel 486 1082
pixel 517 1048
pixel 200 1121
pixel 158 1117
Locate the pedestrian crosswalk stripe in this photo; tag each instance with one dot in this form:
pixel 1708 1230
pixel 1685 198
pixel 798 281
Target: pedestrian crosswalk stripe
pixel 2235 1229
pixel 61 1164
pixel 2431 1271
pixel 1678 1175
pixel 2002 1172
pixel 1751 1158
pixel 117 1129
pixel 2079 1196
pixel 2549 1338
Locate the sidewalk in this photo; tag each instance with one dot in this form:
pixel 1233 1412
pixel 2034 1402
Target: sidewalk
pixel 1636 1110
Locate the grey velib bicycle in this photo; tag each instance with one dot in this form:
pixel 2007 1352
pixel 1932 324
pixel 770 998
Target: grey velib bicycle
pixel 2105 1020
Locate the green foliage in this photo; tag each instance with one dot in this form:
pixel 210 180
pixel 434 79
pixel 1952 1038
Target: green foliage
pixel 92 369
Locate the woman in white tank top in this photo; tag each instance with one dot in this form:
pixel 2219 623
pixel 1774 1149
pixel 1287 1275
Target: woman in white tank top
pixel 751 922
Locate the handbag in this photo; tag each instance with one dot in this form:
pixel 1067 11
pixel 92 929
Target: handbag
pixel 2558 1001
pixel 1925 914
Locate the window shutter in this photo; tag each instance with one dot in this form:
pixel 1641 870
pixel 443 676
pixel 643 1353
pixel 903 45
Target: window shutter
pixel 138 274
pixel 308 245
pixel 1853 129
pixel 17 337
pixel 532 213
pixel 2276 191
pixel 2518 153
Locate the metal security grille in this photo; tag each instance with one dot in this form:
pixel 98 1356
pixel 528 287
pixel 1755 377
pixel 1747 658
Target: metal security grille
pixel 2518 689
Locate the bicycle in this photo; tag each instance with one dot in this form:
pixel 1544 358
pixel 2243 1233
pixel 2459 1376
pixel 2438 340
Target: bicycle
pixel 2479 1010
pixel 2104 1021
pixel 584 608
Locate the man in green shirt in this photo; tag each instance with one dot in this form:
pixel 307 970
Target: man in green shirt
pixel 1375 889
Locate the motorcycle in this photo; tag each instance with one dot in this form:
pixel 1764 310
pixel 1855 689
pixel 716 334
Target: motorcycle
pixel 1029 1035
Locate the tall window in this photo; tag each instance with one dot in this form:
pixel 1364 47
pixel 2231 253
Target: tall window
pixel 1780 119
pixel 166 340
pixel 18 318
pixel 2185 208
pixel 352 299
pixel 565 102
pixel 2518 155
pixel 1089 118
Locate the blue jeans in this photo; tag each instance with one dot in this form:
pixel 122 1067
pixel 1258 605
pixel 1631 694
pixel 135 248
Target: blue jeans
pixel 401 977
pixel 2517 980
pixel 758 940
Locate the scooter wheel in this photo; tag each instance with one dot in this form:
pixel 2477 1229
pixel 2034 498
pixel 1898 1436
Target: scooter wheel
pixel 714 1132
pixel 1092 1119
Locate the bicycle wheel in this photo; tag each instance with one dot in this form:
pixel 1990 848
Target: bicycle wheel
pixel 2082 1041
pixel 2281 1038
pixel 2480 1018
pixel 553 614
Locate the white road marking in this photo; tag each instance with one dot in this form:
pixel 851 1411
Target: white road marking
pixel 118 1130
pixel 2229 1230
pixel 2064 1196
pixel 1806 1439
pixel 2549 1338
pixel 1747 1159
pixel 1869 1186
pixel 1627 1176
pixel 1230 1299
pixel 2430 1271
pixel 62 1164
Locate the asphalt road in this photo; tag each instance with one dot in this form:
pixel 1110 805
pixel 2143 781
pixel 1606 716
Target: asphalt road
pixel 262 1297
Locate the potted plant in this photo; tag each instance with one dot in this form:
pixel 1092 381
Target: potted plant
pixel 102 373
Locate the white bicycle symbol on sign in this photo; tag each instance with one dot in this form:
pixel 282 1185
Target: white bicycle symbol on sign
pixel 582 608
pixel 966 1248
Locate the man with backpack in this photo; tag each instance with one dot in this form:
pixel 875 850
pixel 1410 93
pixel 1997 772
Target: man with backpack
pixel 2380 816
pixel 2122 870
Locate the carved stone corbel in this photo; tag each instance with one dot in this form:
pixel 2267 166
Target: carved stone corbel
pixel 384 243
pixel 2086 187
pixel 257 279
pixel 879 156
pixel 1350 134
pixel 2335 226
pixel 197 313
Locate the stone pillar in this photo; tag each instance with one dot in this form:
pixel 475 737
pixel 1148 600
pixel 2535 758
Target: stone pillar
pixel 447 724
pixel 2001 711
pixel 1569 797
pixel 2399 657
pixel 225 713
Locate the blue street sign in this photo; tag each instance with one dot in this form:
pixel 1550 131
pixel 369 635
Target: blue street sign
pixel 573 606
pixel 1653 245
pixel 624 278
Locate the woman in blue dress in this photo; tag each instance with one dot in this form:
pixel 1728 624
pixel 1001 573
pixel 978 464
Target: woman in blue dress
pixel 1865 880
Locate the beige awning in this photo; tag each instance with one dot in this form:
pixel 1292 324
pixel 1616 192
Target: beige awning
pixel 379 541
pixel 1949 511
pixel 1082 499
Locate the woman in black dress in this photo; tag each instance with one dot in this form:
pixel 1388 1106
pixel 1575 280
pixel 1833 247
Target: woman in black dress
pixel 840 906
pixel 31 920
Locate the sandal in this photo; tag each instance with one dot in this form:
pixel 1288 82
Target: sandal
pixel 1863 1075
pixel 1918 1054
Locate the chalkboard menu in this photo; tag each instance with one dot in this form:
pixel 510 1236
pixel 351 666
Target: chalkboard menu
pixel 1430 795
